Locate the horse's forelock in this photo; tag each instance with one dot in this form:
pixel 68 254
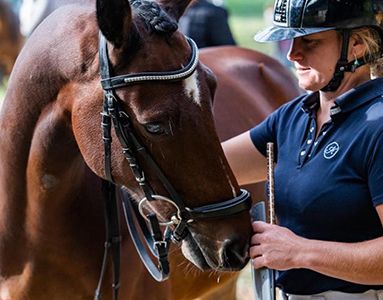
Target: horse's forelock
pixel 154 16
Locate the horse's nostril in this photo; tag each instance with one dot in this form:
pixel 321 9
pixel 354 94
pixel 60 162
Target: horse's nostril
pixel 234 254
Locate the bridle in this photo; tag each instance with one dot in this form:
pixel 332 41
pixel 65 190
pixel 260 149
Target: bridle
pixel 157 241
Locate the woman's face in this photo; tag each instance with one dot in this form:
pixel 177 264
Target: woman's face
pixel 315 57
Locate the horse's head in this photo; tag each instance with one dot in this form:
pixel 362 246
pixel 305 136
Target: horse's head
pixel 170 115
pixel 10 38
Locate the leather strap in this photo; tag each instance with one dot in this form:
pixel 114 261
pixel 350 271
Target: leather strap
pixel 156 241
pixel 161 246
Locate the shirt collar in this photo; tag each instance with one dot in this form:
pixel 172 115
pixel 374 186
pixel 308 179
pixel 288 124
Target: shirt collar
pixel 310 103
pixel 348 101
pixel 359 95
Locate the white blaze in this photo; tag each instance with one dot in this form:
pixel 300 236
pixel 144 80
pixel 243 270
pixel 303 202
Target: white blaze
pixel 192 88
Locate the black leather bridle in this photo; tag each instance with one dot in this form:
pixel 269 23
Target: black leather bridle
pixel 177 226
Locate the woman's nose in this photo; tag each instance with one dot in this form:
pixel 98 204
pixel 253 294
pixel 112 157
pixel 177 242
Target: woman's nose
pixel 295 53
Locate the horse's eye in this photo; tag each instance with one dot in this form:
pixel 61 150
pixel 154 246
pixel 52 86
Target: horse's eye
pixel 155 128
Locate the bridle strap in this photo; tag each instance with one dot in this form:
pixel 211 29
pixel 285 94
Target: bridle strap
pixel 157 242
pixel 116 82
pixel 222 209
pixel 131 146
pixel 113 239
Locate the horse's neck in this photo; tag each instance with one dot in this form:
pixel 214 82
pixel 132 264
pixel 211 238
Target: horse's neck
pixel 44 183
pixel 37 149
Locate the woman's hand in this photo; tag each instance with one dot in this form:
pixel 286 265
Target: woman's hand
pixel 275 247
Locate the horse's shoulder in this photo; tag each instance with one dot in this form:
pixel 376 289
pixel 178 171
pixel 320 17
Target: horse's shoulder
pixel 61 51
pixel 65 42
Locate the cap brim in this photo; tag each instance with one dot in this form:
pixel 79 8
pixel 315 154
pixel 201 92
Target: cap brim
pixel 276 33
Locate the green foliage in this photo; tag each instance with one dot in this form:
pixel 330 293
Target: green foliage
pixel 246 18
pixel 244 29
pixel 2 93
pixel 248 7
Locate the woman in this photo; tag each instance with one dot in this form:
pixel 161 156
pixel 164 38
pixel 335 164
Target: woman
pixel 328 243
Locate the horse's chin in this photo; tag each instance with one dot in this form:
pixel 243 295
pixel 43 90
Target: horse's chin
pixel 201 259
pixel 206 260
pixel 194 254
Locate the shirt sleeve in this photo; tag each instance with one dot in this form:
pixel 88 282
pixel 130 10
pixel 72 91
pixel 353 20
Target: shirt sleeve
pixel 265 132
pixel 375 172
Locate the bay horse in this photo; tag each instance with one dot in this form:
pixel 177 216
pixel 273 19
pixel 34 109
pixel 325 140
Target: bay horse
pixel 243 75
pixel 10 39
pixel 57 162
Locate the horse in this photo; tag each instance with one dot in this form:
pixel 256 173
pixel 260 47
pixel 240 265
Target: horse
pixel 10 38
pixel 57 164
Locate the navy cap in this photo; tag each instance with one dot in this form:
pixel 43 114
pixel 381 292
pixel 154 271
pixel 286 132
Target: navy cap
pixel 295 18
pixel 276 33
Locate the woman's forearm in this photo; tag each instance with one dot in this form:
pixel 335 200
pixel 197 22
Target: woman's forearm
pixel 356 262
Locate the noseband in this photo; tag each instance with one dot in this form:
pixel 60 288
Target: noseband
pixel 177 226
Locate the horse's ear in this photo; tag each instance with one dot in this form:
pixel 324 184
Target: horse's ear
pixel 114 19
pixel 175 8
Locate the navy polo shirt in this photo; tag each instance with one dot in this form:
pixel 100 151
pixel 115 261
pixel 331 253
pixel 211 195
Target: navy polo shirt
pixel 327 187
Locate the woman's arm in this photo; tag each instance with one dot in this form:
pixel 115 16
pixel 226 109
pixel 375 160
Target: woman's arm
pixel 247 163
pixel 278 248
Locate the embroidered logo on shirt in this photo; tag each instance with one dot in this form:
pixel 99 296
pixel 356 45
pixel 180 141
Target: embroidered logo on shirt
pixel 331 150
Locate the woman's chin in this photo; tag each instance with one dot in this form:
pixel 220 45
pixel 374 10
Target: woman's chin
pixel 308 86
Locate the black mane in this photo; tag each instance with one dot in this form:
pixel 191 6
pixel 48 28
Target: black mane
pixel 154 16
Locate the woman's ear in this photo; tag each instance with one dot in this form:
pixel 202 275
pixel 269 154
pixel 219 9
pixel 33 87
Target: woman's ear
pixel 357 47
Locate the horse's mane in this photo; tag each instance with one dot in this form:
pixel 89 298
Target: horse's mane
pixel 156 19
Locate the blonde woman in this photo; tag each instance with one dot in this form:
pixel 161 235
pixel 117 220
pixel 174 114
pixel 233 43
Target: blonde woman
pixel 328 243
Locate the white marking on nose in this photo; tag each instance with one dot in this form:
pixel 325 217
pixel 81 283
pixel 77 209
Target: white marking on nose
pixel 192 88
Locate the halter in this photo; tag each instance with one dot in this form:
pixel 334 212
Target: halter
pixel 177 226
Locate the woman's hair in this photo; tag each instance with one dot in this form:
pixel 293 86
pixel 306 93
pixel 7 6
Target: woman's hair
pixel 373 55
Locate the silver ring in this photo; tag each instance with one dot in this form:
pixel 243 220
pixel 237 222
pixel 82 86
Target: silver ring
pixel 161 198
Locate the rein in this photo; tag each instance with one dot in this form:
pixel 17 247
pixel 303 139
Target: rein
pixel 177 226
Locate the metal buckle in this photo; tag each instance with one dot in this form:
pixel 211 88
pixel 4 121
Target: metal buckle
pixel 161 243
pixel 174 217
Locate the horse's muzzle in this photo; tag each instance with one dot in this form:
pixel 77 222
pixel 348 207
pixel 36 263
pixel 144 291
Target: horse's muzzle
pixel 231 255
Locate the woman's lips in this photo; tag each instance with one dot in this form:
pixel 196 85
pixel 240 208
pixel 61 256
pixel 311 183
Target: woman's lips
pixel 302 70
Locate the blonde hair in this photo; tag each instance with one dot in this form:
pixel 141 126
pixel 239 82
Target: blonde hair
pixel 373 55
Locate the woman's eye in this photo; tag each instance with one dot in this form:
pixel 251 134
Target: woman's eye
pixel 155 128
pixel 309 42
